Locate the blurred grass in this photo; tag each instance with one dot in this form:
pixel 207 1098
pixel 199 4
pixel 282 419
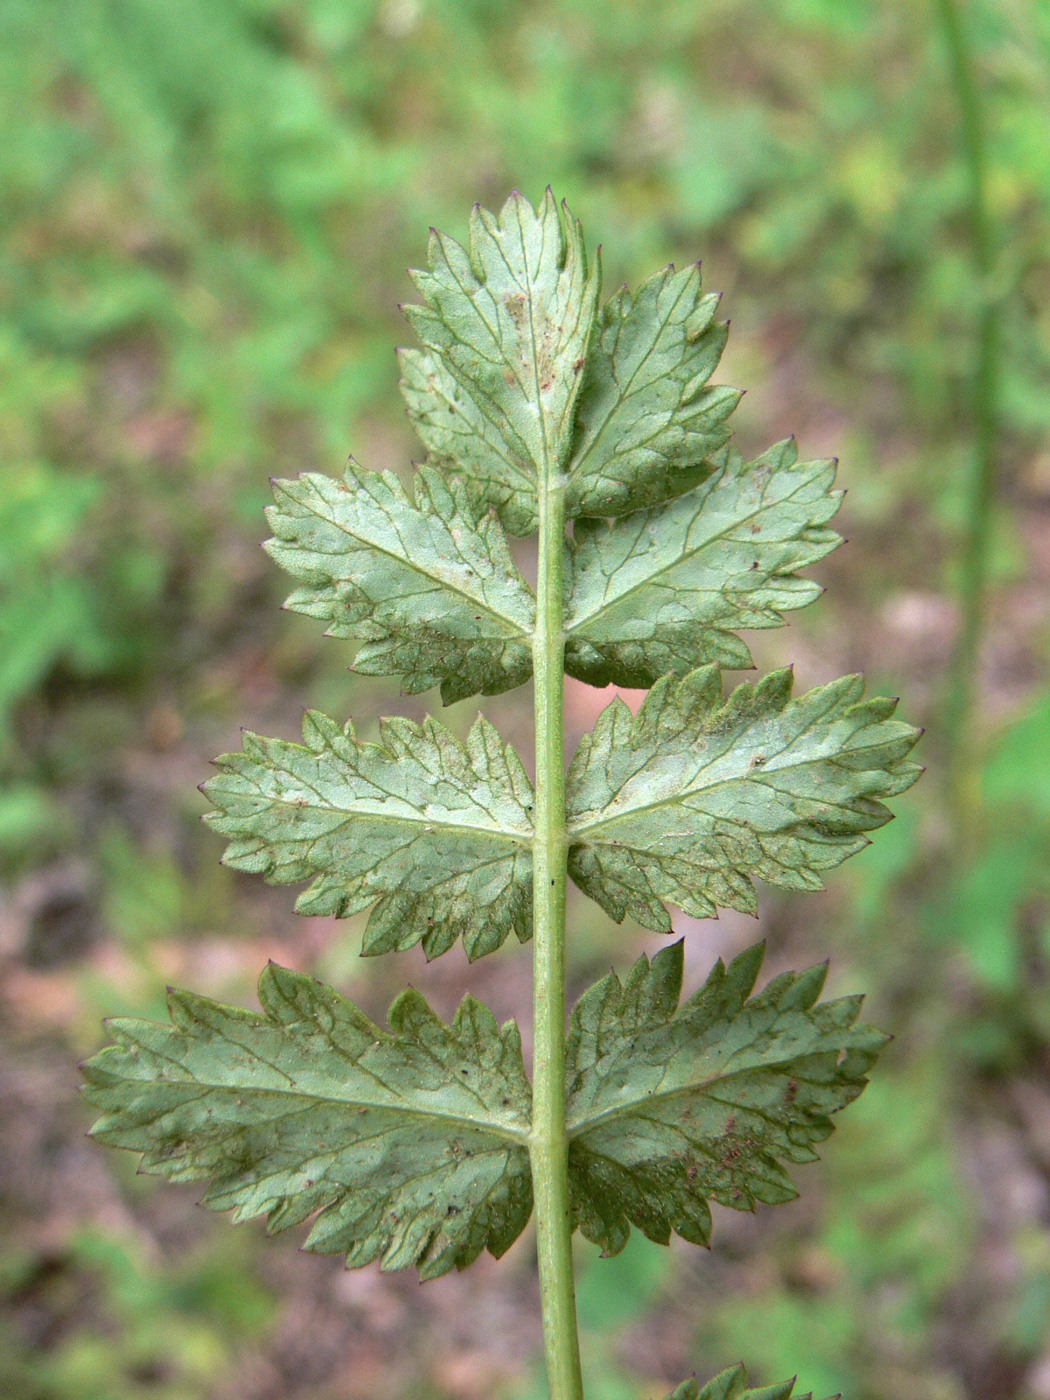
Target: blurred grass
pixel 207 207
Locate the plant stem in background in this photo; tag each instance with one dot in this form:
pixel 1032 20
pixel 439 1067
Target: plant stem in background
pixel 973 577
pixel 548 1142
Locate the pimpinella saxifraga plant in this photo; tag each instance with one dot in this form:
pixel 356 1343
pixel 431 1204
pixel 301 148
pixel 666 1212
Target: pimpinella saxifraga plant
pixel 596 428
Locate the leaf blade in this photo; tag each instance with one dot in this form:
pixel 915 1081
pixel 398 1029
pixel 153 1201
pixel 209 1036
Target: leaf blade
pixel 505 329
pixel 436 831
pixel 665 590
pixel 697 796
pixel 673 1105
pixel 647 420
pixel 732 1385
pixel 409 1145
pixel 431 591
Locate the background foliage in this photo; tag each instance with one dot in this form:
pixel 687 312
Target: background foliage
pixel 207 211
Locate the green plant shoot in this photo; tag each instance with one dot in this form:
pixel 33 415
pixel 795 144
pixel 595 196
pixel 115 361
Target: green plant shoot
pixel 596 428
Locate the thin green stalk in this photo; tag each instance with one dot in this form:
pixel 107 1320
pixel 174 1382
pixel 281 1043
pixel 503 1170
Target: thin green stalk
pixel 973 582
pixel 548 1146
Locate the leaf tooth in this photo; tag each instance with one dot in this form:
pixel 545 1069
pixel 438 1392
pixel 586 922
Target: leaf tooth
pixel 728 1385
pixel 482 939
pixel 879 745
pixel 613 726
pixel 664 984
pixel 292 1211
pixel 698 694
pixel 732 1385
pixel 284 994
pixel 901 777
pixel 718 402
pixel 729 889
pixel 434 1262
pixel 741 976
pixel 657 708
pixel 592 1007
pixel 199 1016
pixel 838 1014
pixel 411 1016
pixel 839 696
pixel 344 1227
pixel 714 402
pixel 700 319
pixel 874 709
pixel 240 1214
pixel 510 1035
pixel 399 736
pixel 805 989
pixel 319 732
pixel 474 1019
pixel 781 1391
pixel 411 1237
pixel 687 1390
pixel 775 990
pixel 324 898
pixel 452 267
pixel 255 747
pixel 631 991
pixel 771 693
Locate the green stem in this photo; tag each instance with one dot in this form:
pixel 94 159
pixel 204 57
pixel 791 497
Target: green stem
pixel 548 1144
pixel 973 583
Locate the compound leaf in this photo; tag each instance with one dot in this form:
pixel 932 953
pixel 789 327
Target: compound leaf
pixel 436 831
pixel 698 795
pixel 431 590
pixel 658 591
pixel 505 329
pixel 411 1145
pixel 647 420
pixel 732 1385
pixel 672 1106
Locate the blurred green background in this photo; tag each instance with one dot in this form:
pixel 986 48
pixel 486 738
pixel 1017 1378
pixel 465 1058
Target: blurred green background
pixel 207 209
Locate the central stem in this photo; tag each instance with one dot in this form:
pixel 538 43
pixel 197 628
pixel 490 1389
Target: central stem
pixel 548 1144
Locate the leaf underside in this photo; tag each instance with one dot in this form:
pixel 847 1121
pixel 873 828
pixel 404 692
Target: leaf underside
pixel 428 588
pixel 688 802
pixel 410 1147
pixel 406 1147
pixel 671 1106
pixel 435 833
pixel 505 328
pixel 661 590
pixel 647 421
pixel 698 795
pixel 521 374
pixel 732 1385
